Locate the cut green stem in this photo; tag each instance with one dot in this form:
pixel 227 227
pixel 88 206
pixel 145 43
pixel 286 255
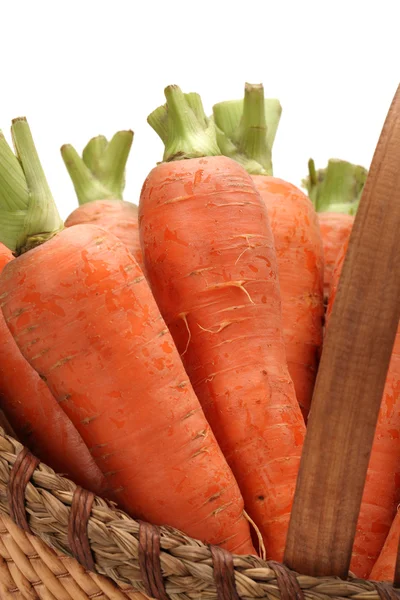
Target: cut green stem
pixel 252 132
pixel 92 152
pixel 158 120
pixel 114 161
pixel 87 187
pixel 100 173
pixel 183 126
pixel 28 214
pixel 337 188
pixel 246 129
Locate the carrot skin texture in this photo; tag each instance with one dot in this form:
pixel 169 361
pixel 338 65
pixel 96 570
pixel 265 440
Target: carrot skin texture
pixel 383 569
pixel 117 216
pixel 36 417
pixel 103 347
pixel 210 259
pixel 299 253
pixel 335 231
pixel 382 488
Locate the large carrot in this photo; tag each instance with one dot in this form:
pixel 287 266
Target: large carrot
pixel 83 315
pixel 210 258
pixel 296 233
pixel 382 488
pixel 335 192
pixel 99 181
pixel 34 414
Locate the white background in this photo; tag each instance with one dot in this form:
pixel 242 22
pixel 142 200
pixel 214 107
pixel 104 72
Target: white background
pixel 78 68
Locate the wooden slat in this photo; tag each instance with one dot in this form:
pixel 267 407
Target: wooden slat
pixel 352 373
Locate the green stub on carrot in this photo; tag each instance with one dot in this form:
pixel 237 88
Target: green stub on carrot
pixel 183 126
pixel 246 129
pixel 337 188
pixel 100 173
pixel 28 214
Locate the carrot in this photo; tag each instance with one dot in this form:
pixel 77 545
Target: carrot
pixel 296 233
pixel 99 181
pixel 335 231
pixel 29 407
pixel 83 315
pixel 211 263
pixel 335 193
pixel 384 568
pixel 382 488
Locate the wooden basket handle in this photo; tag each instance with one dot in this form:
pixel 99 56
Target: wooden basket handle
pixel 352 373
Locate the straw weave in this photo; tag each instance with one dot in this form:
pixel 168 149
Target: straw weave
pixel 40 565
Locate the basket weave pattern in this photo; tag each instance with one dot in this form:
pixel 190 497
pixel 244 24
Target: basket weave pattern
pixel 126 555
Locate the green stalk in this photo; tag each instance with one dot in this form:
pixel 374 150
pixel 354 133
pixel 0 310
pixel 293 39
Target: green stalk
pixel 183 126
pixel 100 173
pixel 28 214
pixel 93 151
pixel 158 120
pixel 246 129
pixel 337 188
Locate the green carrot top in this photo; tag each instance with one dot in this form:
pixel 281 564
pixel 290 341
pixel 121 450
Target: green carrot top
pixel 337 188
pixel 28 213
pixel 183 127
pixel 246 129
pixel 100 173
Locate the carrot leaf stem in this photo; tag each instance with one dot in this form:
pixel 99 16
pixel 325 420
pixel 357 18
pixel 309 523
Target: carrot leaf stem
pixel 310 183
pixel 28 214
pixel 252 131
pixel 246 129
pixel 93 151
pixel 158 120
pixel 87 187
pixel 337 188
pixel 114 162
pixel 100 173
pixel 183 126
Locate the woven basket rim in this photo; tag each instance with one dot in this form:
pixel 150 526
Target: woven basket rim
pixel 187 565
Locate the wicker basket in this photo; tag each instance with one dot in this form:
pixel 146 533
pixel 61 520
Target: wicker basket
pixel 59 542
pixel 123 558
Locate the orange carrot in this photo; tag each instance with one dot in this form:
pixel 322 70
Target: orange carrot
pixel 30 407
pixel 84 317
pixel 211 262
pixel 335 231
pixel 382 488
pixel 383 569
pixel 296 235
pixel 99 181
pixel 335 193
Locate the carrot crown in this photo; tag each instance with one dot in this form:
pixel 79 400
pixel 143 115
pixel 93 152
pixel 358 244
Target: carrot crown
pixel 182 125
pixel 28 214
pixel 100 173
pixel 337 188
pixel 246 129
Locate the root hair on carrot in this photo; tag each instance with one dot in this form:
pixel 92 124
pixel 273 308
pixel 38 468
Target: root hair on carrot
pixel 199 271
pixel 221 508
pixel 223 325
pixel 183 316
pixel 261 547
pixel 238 284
